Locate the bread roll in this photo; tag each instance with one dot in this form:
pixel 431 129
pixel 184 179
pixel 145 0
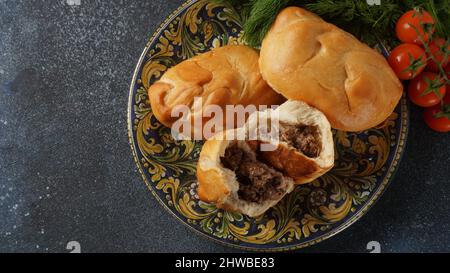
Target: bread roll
pixel 238 175
pixel 305 58
pixel 224 76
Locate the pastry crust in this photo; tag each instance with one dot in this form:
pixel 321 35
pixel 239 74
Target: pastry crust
pixel 220 185
pixel 286 158
pixel 305 58
pixel 224 76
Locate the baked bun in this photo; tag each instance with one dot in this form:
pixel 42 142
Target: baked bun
pixel 304 147
pixel 224 76
pixel 305 58
pixel 239 175
pixel 231 176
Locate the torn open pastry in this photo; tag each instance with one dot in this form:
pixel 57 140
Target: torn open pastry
pixel 232 176
pixel 239 175
pixel 305 147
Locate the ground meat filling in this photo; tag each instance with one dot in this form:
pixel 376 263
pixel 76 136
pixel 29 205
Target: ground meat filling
pixel 257 181
pixel 304 138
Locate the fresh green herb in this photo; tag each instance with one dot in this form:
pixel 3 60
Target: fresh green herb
pixel 261 18
pixel 442 12
pixel 371 23
pixel 258 16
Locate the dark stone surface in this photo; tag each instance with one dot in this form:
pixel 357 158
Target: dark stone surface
pixel 66 169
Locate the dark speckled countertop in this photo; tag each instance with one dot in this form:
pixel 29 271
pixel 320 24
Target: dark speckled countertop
pixel 66 169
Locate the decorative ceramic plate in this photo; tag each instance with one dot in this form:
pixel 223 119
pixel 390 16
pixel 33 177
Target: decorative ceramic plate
pixel 365 162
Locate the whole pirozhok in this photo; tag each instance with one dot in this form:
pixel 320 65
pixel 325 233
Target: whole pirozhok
pixel 305 58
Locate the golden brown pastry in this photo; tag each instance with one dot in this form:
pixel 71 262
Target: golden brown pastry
pixel 231 177
pixel 305 58
pixel 238 175
pixel 224 76
pixel 305 147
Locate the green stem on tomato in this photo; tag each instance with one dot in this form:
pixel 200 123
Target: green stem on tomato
pixel 439 65
pixel 430 54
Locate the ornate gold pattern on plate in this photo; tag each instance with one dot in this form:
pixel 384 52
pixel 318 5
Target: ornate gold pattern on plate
pixel 365 161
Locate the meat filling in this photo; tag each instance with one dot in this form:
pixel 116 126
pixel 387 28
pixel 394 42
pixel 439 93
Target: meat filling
pixel 257 181
pixel 304 138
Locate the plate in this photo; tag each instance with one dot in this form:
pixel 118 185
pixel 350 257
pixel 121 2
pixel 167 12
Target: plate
pixel 365 161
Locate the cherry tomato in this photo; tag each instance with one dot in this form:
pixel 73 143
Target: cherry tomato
pixel 440 50
pixel 426 90
pixel 447 70
pixel 447 99
pixel 413 23
pixel 438 118
pixel 407 61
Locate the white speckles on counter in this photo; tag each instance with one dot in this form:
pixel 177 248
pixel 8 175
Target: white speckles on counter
pixel 66 169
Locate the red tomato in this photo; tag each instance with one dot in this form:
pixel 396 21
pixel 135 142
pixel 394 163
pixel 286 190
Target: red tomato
pixel 440 50
pixel 447 99
pixel 413 23
pixel 407 61
pixel 426 90
pixel 437 118
pixel 447 70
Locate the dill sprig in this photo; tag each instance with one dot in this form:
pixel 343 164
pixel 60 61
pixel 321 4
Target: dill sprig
pixel 440 10
pixel 370 23
pixel 261 18
pixel 258 16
